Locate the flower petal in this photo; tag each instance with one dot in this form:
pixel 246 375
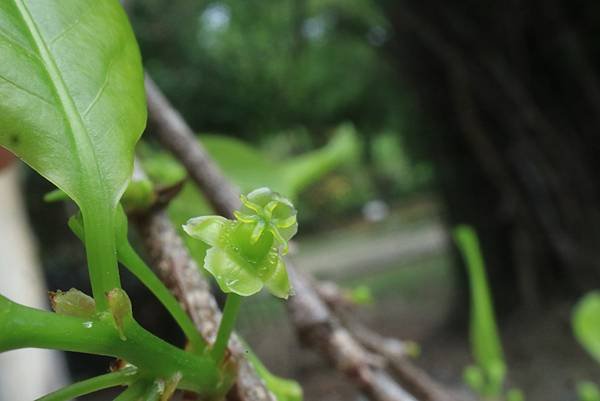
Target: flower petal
pixel 279 284
pixel 230 275
pixel 205 228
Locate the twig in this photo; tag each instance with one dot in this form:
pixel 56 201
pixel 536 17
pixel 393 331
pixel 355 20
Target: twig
pixel 176 136
pixel 394 351
pixel 318 328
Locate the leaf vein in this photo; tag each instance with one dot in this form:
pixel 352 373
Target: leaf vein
pixel 101 89
pixel 28 91
pixel 79 136
pixel 12 41
pixel 69 28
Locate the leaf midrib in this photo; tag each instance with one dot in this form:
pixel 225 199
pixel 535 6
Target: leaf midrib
pixel 78 133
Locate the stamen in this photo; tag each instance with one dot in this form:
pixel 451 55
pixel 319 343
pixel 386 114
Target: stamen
pixel 285 223
pixel 269 208
pixel 249 204
pixel 280 239
pixel 245 218
pixel 257 232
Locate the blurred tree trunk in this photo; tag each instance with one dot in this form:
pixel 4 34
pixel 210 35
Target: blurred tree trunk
pixel 511 97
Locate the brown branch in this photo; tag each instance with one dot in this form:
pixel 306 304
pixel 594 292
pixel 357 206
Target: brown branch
pixel 175 135
pixel 315 323
pixel 318 328
pixel 395 352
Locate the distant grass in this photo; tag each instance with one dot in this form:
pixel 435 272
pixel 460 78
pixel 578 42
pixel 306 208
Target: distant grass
pixel 409 281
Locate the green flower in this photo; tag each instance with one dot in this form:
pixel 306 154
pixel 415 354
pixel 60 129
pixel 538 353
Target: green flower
pixel 246 253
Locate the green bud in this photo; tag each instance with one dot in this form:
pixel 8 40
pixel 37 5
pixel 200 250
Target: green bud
pixel 120 308
pixel 73 303
pixel 496 372
pixel 473 376
pixel 361 295
pixel 412 349
pixel 139 195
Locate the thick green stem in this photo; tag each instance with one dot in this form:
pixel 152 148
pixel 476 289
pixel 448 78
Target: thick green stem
pixel 119 378
pixel 101 253
pixel 232 306
pixel 40 329
pixel 131 260
pixel 136 265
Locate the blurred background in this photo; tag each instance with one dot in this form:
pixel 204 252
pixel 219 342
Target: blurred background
pixel 388 122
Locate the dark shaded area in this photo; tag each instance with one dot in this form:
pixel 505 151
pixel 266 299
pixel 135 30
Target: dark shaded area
pixel 510 95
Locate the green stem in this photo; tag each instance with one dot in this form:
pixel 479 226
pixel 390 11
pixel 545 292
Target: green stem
pixel 119 378
pixel 132 261
pixel 101 253
pixel 32 328
pixel 133 392
pixel 136 265
pixel 232 306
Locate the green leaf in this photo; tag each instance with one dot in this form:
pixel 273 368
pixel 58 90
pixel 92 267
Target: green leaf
pixel 72 106
pixel 73 103
pixel 485 340
pixel 308 168
pixel 586 323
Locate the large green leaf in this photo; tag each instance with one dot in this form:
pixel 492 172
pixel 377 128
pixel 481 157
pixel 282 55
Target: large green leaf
pixel 72 100
pixel 72 106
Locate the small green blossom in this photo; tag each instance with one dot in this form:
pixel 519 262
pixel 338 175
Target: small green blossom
pixel 246 253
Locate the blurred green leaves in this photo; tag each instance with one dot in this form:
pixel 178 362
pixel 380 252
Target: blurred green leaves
pixel 586 327
pixel 588 391
pixel 254 67
pixel 248 168
pixel 586 323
